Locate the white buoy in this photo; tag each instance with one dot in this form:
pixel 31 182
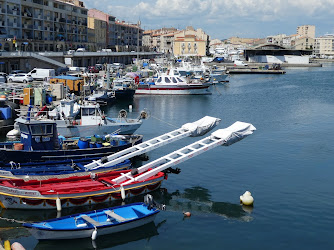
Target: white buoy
pixel 58 204
pixel 247 199
pixel 122 193
pixel 130 108
pixel 94 234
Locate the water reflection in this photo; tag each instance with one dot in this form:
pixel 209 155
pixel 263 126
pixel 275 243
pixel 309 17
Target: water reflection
pixel 145 232
pixel 198 199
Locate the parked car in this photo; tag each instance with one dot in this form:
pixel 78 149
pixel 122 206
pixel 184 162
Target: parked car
pixel 22 77
pixel 93 69
pixel 3 77
pixel 17 71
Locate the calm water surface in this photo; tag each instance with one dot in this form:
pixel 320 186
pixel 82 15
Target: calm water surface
pixel 287 164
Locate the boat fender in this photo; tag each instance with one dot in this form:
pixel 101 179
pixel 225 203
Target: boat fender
pixel 17 246
pixel 94 234
pixel 134 171
pixel 122 193
pixel 104 159
pixel 58 204
pixel 247 199
pixel 7 245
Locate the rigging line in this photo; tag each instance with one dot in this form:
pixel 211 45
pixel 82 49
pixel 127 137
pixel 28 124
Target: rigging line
pixel 217 89
pixel 165 122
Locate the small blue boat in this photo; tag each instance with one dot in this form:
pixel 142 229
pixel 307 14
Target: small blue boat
pixel 94 223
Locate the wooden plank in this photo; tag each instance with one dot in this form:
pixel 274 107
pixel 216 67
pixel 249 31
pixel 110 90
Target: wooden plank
pixel 115 216
pixel 91 221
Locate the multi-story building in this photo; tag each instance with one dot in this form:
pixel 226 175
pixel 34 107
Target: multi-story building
pixel 189 45
pixel 43 25
pixel 324 46
pixel 306 30
pixel 199 35
pixel 303 43
pixel 97 29
pixel 120 36
pixel 125 36
pixel 160 40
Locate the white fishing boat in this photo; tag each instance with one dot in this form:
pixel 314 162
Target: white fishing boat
pixel 92 121
pixel 172 83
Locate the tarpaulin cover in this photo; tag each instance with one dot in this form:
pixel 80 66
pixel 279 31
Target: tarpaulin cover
pixel 234 133
pixel 202 126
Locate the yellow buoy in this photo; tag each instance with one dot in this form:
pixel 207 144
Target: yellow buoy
pixel 247 199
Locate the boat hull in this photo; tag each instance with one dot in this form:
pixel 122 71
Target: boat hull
pixel 99 129
pixel 87 233
pixel 21 156
pixel 13 198
pixel 145 89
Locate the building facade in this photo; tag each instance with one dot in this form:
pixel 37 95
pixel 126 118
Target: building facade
pixel 189 45
pixel 324 46
pixel 43 25
pixel 306 30
pixel 97 33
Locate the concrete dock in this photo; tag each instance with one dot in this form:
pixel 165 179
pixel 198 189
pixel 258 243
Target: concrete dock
pixel 246 70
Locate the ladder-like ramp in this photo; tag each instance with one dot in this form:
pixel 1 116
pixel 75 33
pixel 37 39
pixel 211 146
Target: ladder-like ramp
pixel 225 137
pixel 197 128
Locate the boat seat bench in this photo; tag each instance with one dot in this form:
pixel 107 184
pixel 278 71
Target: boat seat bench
pixel 115 216
pixel 91 221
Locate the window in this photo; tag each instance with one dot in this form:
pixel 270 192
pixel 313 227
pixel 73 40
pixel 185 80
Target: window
pixel 174 80
pixel 88 111
pixel 167 80
pixel 159 79
pixel 24 128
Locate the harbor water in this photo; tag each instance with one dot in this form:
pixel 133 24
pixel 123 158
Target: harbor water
pixel 287 165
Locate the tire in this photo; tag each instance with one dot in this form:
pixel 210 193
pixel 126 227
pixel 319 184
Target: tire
pixel 10 80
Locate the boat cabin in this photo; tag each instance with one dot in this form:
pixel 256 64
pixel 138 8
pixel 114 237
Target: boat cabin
pixel 38 134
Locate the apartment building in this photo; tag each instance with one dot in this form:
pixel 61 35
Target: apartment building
pixel 324 46
pixel 303 43
pixel 189 45
pixel 43 25
pixel 120 36
pixel 306 30
pixel 160 40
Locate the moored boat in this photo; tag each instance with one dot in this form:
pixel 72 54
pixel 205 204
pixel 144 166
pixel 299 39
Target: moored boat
pixel 172 83
pixel 39 142
pixel 94 223
pixel 84 190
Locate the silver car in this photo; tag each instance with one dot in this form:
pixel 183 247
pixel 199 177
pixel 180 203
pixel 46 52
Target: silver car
pixel 21 77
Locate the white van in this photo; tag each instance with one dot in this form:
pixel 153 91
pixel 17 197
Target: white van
pixel 81 50
pixel 42 74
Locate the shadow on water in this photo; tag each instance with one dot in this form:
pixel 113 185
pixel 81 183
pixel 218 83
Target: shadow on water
pixel 145 232
pixel 197 200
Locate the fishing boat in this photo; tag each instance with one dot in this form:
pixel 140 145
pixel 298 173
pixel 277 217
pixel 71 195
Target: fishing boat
pixel 102 97
pixel 124 88
pixel 90 120
pixel 39 141
pixel 94 223
pixel 115 161
pixel 172 83
pixel 97 188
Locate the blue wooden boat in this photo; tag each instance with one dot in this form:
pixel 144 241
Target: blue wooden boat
pixel 93 223
pixel 39 141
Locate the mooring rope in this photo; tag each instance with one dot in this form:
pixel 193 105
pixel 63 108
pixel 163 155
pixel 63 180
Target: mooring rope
pixel 13 220
pixel 165 122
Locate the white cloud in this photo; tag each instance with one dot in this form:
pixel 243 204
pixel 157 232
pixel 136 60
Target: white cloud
pixel 211 13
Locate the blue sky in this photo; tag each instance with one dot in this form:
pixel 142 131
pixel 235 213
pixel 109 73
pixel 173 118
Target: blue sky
pixel 225 18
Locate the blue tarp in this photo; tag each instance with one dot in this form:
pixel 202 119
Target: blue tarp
pixel 68 77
